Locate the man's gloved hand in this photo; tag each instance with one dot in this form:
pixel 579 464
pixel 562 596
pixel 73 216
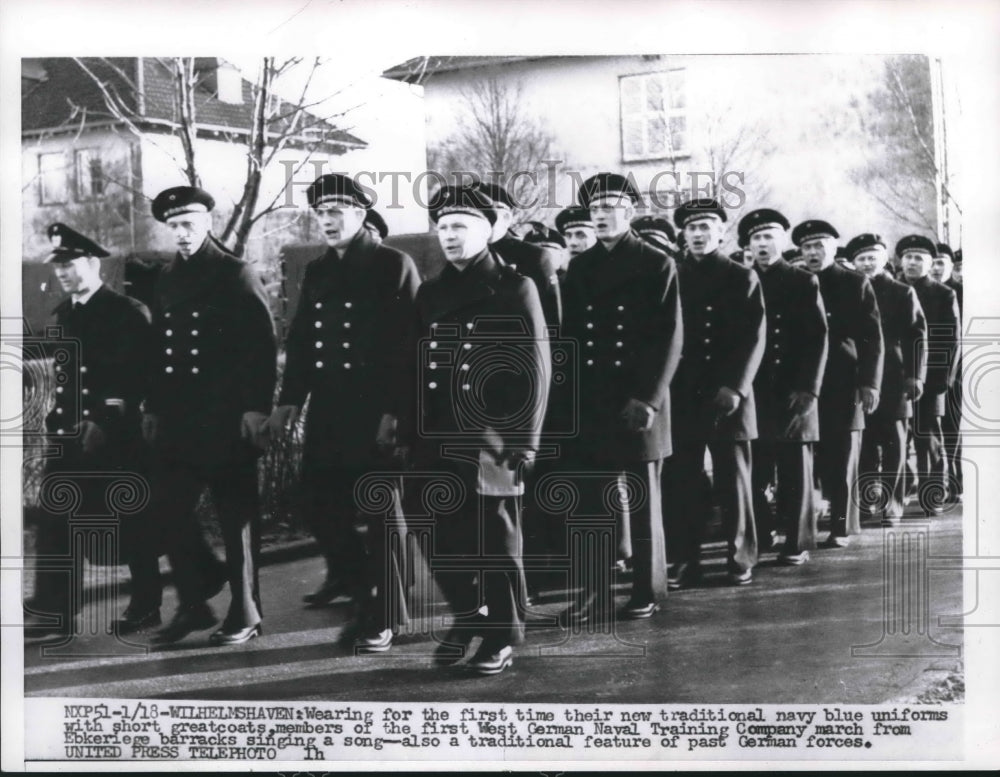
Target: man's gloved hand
pixel 868 398
pixel 727 401
pixel 281 418
pixel 91 437
pixel 150 427
pixel 254 429
pixel 638 415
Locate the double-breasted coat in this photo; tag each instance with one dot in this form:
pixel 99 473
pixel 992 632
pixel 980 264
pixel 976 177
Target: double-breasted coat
pixel 724 337
pixel 904 334
pixel 940 307
pixel 213 357
pixel 796 351
pixel 621 310
pixel 347 349
pixel 856 351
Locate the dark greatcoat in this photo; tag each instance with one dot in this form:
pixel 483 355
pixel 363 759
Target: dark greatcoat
pixel 487 318
pixel 213 357
pixel 538 264
pixel 795 356
pixel 904 333
pixel 724 337
pixel 347 350
pixel 940 308
pixel 856 349
pixel 622 313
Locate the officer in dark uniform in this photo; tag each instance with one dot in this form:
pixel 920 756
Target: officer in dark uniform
pixel 714 403
pixel 552 241
pixel 95 422
pixel 853 374
pixel 904 333
pixel 576 226
pixel 657 231
pixel 483 372
pixel 211 384
pixel 787 386
pixel 940 307
pixel 942 264
pixel 531 261
pixel 951 420
pixel 622 310
pixel 346 350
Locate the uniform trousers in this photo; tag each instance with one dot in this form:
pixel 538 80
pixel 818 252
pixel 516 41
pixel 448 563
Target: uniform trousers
pixel 476 560
pixel 951 427
pixel 176 488
pixel 838 453
pixel 882 470
pixel 690 506
pixel 790 466
pixel 928 441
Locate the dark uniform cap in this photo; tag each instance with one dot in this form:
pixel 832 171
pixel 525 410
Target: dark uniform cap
pixel 693 210
pixel 541 235
pixel 812 229
pixel 68 244
pixel 374 219
pixel 943 249
pixel 863 243
pixel 756 220
pixel 841 255
pixel 573 217
pixel 958 256
pixel 916 243
pixel 461 199
pixel 337 189
pixel 181 199
pixel 496 193
pixel 606 185
pixel 654 224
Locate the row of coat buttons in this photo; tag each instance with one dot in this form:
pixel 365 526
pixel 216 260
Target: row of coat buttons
pixel 194 314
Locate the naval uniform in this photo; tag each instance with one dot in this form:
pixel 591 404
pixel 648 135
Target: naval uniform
pixel 622 312
pixel 794 361
pixel 854 361
pixel 99 371
pixel 940 307
pixel 537 264
pixel 951 421
pixel 482 390
pixel 213 360
pixel 347 351
pixel 724 336
pixel 904 333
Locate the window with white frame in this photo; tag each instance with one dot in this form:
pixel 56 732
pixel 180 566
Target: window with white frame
pixel 52 188
pixel 653 115
pixel 89 174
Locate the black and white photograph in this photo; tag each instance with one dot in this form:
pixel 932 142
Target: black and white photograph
pixel 501 386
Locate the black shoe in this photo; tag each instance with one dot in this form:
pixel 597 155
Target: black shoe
pixel 683 575
pixel 491 660
pixel 741 577
pixel 834 542
pixel 374 642
pixel 793 559
pixel 196 617
pixel 452 648
pixel 137 620
pixel 326 593
pixel 235 636
pixel 638 610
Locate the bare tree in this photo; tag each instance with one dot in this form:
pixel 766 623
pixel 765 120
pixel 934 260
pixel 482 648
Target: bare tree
pixel 498 140
pixel 901 172
pixel 274 124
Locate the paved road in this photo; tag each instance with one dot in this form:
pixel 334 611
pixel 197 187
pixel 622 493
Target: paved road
pixel 787 638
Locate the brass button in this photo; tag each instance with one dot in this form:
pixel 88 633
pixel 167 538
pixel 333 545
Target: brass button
pixel 194 351
pixel 59 411
pixel 319 364
pixel 194 314
pixel 86 413
pixel 59 389
pixel 85 392
pixel 194 332
pixel 433 365
pixel 83 370
pixel 433 345
pixel 319 324
pixel 590 325
pixel 347 325
pixel 465 368
pixel 467 346
pixel 169 332
pixel 347 345
pixel 347 365
pixel 319 306
pixel 194 370
pixel 319 343
pixel 170 351
pixel 432 385
pixel 168 368
pixel 590 362
pixel 348 305
pixel 466 387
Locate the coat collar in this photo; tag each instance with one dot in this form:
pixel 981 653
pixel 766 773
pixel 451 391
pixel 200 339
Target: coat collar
pixel 182 279
pixel 333 264
pixel 606 271
pixel 453 290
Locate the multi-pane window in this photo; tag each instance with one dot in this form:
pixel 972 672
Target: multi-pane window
pixel 52 178
pixel 653 115
pixel 89 174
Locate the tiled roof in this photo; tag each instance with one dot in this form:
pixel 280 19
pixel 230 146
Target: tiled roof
pixel 46 103
pixel 416 70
